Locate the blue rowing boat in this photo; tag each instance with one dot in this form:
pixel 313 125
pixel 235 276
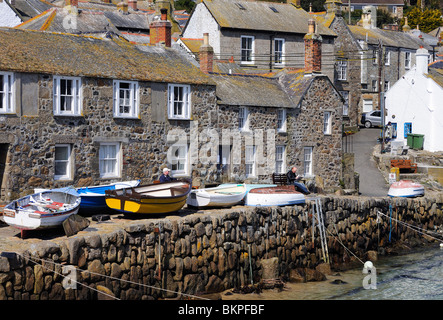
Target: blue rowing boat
pixel 93 197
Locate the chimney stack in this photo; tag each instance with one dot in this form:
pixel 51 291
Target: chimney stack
pixel 421 58
pixel 122 7
pixel 133 4
pixel 206 55
pixel 312 49
pixel 160 30
pixel 72 6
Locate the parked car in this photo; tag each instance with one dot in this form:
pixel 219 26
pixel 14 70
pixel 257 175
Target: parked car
pixel 371 118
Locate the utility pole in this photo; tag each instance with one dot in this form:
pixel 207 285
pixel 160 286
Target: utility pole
pixel 381 61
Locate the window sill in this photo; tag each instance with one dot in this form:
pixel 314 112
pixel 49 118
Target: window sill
pixel 127 117
pixel 188 118
pixel 68 115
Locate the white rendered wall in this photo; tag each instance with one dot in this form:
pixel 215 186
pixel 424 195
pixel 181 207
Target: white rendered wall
pixel 8 18
pixel 416 98
pixel 201 21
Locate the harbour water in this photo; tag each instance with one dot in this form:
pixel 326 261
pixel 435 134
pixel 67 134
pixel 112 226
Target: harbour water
pixel 414 276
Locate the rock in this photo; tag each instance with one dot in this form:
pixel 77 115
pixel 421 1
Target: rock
pixel 270 268
pixel 338 281
pixel 74 224
pixel 297 275
pixel 324 268
pixel 215 284
pixel 314 275
pixel 104 293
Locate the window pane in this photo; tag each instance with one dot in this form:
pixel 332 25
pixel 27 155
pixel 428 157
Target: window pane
pixel 2 91
pixel 61 153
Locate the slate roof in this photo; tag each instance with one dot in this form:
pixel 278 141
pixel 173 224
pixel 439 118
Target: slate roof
pixel 377 2
pixel 31 8
pixel 94 19
pixel 87 56
pixel 284 89
pixel 389 38
pixel 55 19
pixel 261 16
pixel 250 90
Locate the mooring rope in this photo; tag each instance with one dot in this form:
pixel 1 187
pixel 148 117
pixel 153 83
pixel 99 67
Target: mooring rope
pixel 415 228
pixel 102 275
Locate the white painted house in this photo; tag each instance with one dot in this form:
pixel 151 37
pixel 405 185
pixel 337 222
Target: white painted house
pixel 9 17
pixel 414 103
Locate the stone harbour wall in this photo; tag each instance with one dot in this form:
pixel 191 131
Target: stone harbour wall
pixel 209 251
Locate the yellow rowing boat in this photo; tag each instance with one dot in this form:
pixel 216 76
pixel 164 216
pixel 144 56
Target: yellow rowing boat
pixel 158 198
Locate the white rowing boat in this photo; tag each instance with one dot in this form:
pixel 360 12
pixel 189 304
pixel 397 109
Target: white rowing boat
pixel 46 209
pixel 406 188
pixel 274 196
pixel 221 196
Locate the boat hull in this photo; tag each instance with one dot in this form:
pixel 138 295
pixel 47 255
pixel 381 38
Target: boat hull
pixel 406 189
pixel 274 196
pixel 159 198
pixel 28 214
pixel 94 198
pixel 226 196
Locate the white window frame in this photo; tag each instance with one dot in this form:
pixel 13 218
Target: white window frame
pixel 280 159
pixel 105 159
pixel 76 95
pixel 387 58
pixel 243 119
pixel 308 161
pixel 345 95
pixel 174 102
pixel 374 85
pixel 67 161
pixel 342 70
pixel 327 122
pixel 7 91
pixel 178 160
pixel 366 104
pixel 280 53
pixel 375 56
pixel 408 60
pixel 250 161
pixel 281 120
pixel 387 86
pixel 247 53
pixel 130 99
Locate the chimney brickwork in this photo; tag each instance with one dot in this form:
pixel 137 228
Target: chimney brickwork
pixel 160 30
pixel 312 49
pixel 206 55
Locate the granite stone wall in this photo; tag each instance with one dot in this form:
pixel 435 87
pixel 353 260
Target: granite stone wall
pixel 210 251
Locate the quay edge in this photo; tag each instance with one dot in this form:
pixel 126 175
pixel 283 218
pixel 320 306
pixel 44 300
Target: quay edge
pixel 210 251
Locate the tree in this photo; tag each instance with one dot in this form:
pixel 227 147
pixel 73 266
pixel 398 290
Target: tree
pixel 427 20
pixel 187 5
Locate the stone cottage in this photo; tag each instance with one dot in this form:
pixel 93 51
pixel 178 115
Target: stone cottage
pixel 80 110
pixel 275 121
pixel 259 36
pixel 347 52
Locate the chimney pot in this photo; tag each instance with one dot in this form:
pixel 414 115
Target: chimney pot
pixel 122 7
pixel 133 4
pixel 164 14
pixel 206 55
pixel 312 49
pixel 160 30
